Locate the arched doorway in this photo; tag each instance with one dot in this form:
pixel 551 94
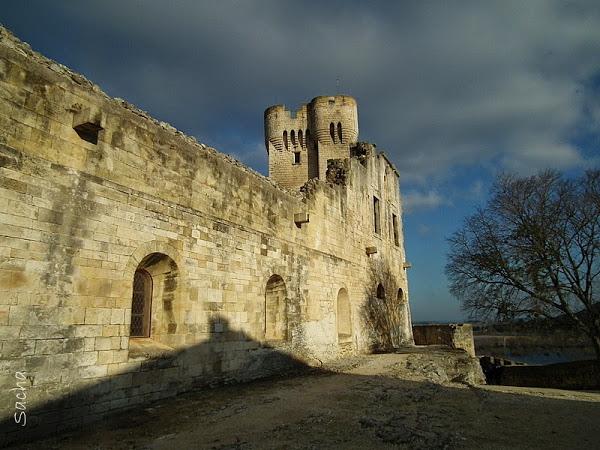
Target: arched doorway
pixel 153 300
pixel 380 292
pixel 275 309
pixel 344 319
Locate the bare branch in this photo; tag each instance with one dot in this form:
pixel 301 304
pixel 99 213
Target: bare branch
pixel 533 250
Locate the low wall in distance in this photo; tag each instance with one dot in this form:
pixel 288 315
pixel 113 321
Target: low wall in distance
pixel 454 335
pixel 570 375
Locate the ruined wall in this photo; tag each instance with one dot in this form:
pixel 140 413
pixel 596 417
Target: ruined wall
pixel 454 335
pixel 78 219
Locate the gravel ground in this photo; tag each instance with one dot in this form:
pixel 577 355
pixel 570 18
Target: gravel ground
pixel 382 401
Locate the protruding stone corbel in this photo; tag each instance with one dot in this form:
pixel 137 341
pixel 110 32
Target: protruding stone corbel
pixel 406 265
pixel 300 218
pixel 88 123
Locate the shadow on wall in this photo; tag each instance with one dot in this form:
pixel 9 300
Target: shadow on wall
pixel 228 356
pixel 384 311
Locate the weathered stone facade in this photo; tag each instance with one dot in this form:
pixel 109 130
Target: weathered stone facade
pixel 246 277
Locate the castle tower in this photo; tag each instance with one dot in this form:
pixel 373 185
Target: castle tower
pixel 300 144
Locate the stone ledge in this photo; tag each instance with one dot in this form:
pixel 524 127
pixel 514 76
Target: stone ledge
pixel 147 348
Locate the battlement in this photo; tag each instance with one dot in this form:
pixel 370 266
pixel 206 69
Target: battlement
pixel 276 111
pixel 299 144
pixel 334 100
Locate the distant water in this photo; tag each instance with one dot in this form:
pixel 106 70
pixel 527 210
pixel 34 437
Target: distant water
pixel 543 358
pixel 534 350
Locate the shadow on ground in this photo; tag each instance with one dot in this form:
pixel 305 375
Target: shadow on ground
pixel 374 401
pixel 228 356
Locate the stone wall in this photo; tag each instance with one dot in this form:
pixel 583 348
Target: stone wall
pixel 570 375
pixel 79 217
pixel 453 335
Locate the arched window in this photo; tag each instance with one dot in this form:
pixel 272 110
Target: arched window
pixel 300 138
pixel 339 130
pixel 141 304
pixel 154 310
pixel 332 131
pixel 400 296
pixel 380 292
pixel 344 322
pixel 293 136
pixel 275 309
pixel 307 137
pixel 285 140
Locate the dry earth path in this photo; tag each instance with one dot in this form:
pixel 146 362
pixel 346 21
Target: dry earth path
pixel 377 401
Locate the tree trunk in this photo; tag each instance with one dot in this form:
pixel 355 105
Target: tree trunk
pixel 596 344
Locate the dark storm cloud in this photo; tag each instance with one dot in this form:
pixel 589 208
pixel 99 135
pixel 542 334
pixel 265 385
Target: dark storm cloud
pixel 497 84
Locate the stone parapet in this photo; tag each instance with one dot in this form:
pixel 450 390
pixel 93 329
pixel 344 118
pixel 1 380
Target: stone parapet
pixel 455 335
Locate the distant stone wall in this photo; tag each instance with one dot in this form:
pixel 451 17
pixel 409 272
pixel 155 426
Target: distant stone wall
pixel 453 335
pixel 93 191
pixel 570 375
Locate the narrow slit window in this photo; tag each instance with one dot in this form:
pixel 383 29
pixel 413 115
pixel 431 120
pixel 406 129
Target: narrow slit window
pixel 395 229
pixel 332 131
pixel 300 138
pixel 376 215
pixel 339 130
pixel 293 136
pixel 296 157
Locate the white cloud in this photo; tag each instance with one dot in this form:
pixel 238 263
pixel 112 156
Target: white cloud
pixel 417 201
pixel 531 156
pixel 439 85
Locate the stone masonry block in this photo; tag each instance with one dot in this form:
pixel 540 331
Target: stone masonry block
pixel 93 371
pixel 117 316
pixel 103 343
pixel 105 357
pixel 97 316
pixel 85 358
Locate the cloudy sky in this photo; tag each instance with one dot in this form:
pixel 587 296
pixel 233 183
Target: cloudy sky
pixel 454 91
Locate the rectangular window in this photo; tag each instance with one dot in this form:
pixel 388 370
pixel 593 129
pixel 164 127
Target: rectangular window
pixel 395 229
pixel 296 157
pixel 376 215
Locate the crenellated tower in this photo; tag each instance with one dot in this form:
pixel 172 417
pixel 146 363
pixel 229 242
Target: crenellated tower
pixel 299 144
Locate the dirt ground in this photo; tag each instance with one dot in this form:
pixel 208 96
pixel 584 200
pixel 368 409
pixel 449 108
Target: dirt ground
pixel 377 401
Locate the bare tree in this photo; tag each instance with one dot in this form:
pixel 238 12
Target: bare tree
pixel 534 250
